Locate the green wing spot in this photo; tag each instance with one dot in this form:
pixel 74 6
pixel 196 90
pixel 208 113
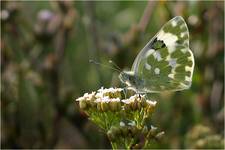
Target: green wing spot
pixel 141 65
pixel 166 70
pixel 151 60
pixel 164 52
pixel 180 68
pixel 190 63
pixel 178 53
pixel 161 64
pixel 175 30
pixel 180 77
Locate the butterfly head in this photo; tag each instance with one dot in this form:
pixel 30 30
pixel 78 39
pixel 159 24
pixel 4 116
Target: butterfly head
pixel 127 77
pixel 131 80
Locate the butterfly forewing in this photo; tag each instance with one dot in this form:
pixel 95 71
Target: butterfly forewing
pixel 166 62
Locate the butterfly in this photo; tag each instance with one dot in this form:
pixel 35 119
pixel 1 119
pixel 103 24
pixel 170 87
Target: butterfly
pixel 166 63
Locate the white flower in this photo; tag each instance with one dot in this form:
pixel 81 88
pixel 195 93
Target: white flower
pixel 80 99
pixel 101 90
pixel 89 97
pixel 105 99
pixel 99 95
pixel 134 97
pixel 114 100
pixel 152 103
pixel 127 101
pixel 154 128
pixel 86 95
pixel 130 100
pixel 114 90
pixel 110 90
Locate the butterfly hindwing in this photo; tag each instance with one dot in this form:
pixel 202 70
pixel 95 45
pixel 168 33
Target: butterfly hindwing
pixel 166 62
pixel 169 72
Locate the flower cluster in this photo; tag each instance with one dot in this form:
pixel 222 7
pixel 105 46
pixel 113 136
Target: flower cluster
pixel 133 136
pixel 121 114
pixel 112 100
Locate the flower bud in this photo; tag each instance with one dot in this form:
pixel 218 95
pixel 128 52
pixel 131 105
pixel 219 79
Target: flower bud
pixel 139 105
pixel 150 106
pixel 83 104
pixel 114 104
pixel 119 106
pixel 145 130
pixel 104 106
pixel 153 131
pixel 124 131
pixel 99 106
pixel 93 104
pixel 143 103
pixel 127 107
pixel 117 94
pixel 160 135
pixel 111 136
pixel 150 110
pixel 134 130
pixel 115 130
pixel 129 128
pixel 134 105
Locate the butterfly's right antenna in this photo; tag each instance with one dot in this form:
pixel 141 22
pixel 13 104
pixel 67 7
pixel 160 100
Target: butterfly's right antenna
pixel 107 66
pixel 115 65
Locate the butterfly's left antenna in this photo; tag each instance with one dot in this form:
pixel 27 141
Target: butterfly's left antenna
pixel 97 63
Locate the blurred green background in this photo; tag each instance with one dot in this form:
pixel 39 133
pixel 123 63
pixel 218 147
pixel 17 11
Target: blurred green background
pixel 45 52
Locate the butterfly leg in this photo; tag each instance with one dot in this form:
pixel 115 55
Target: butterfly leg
pixel 125 92
pixel 141 94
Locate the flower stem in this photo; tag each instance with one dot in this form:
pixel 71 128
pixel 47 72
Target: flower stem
pixel 114 145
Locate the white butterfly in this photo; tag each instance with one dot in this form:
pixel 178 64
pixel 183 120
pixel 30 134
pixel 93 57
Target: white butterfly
pixel 166 63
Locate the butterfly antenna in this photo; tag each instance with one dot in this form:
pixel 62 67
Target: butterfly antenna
pixel 107 66
pixel 115 65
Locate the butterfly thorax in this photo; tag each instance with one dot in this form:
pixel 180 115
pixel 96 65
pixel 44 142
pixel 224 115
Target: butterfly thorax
pixel 132 80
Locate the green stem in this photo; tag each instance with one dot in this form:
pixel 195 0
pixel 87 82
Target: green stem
pixel 131 142
pixel 126 144
pixel 147 140
pixel 114 145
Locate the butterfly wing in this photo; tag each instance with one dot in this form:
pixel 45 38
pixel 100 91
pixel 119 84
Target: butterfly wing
pixel 166 62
